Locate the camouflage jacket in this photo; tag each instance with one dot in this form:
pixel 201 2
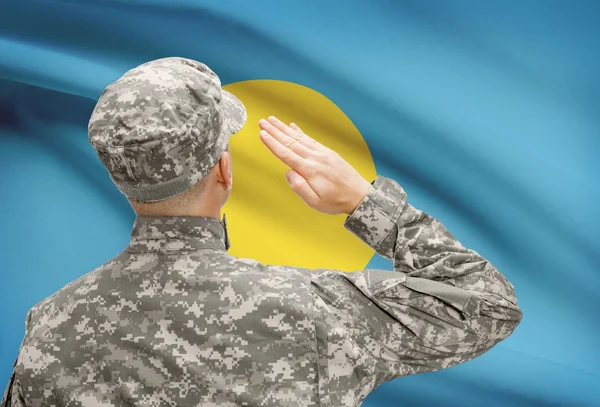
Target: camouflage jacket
pixel 174 320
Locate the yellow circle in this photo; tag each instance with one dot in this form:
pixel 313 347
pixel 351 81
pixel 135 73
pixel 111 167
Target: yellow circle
pixel 266 220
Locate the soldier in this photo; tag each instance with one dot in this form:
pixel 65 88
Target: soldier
pixel 174 320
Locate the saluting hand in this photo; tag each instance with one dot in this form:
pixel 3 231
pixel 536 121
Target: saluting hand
pixel 319 175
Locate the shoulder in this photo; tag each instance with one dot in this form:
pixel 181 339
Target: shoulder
pixel 69 293
pixel 250 264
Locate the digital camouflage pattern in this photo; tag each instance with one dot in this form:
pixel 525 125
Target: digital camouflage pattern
pixel 162 126
pixel 174 320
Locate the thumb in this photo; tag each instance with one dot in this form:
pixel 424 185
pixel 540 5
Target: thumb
pixel 301 187
pixel 288 176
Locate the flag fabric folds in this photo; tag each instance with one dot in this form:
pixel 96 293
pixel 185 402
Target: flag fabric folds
pixel 485 112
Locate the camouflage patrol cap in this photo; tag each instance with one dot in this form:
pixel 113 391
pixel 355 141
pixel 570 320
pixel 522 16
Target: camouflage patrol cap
pixel 163 126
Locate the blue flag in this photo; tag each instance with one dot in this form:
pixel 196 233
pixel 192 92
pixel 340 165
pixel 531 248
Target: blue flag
pixel 485 112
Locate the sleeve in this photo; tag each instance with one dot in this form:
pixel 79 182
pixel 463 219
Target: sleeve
pixel 12 394
pixel 442 305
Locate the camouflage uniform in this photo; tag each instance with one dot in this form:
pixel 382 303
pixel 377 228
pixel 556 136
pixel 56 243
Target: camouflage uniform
pixel 174 320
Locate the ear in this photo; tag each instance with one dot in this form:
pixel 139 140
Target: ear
pixel 224 174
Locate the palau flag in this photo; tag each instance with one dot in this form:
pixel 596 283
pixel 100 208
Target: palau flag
pixel 486 112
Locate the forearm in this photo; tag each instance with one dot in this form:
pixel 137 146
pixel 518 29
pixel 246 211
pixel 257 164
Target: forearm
pixel 423 249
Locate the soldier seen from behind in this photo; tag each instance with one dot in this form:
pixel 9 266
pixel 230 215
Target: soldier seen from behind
pixel 175 320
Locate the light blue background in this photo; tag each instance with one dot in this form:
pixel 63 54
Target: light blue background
pixel 487 112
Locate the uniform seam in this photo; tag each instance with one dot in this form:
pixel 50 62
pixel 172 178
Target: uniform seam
pixel 173 250
pixel 315 344
pixel 316 315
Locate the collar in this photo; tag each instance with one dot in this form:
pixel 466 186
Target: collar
pixel 175 233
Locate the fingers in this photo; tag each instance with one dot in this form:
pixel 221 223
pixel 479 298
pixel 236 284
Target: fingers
pixel 310 142
pixel 285 154
pixel 305 143
pixel 286 140
pixel 301 187
pixel 298 129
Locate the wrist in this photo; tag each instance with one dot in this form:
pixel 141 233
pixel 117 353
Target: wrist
pixel 358 197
